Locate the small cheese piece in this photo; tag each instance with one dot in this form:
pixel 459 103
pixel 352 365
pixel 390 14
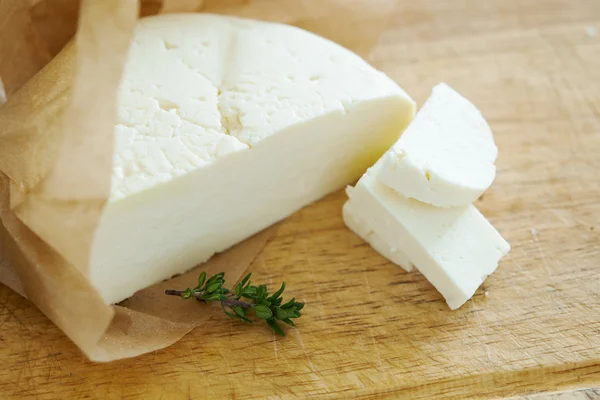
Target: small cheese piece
pixel 361 228
pixel 226 126
pixel 2 93
pixel 455 248
pixel 446 156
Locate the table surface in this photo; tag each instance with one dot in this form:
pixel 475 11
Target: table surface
pixel 369 328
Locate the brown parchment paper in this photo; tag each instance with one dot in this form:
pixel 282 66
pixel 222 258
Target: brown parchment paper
pixel 56 146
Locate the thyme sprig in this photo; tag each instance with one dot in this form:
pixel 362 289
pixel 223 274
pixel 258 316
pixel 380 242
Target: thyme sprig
pixel 266 307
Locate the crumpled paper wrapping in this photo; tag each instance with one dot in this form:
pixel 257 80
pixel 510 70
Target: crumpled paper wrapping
pixel 56 145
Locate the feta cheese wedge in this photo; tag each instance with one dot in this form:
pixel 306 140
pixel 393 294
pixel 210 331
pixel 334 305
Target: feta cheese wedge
pixel 454 248
pixel 362 229
pixel 446 156
pixel 226 126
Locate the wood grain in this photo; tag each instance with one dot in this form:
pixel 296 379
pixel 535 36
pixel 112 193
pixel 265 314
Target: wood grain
pixel 371 330
pixel 578 394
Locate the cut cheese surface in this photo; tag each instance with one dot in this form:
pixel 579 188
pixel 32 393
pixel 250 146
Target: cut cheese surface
pixel 198 87
pixel 362 229
pixel 454 248
pixel 226 126
pixel 446 156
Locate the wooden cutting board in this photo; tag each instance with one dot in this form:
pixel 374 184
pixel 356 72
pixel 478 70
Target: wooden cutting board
pixel 370 329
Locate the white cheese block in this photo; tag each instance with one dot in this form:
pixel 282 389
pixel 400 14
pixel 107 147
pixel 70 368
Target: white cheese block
pixel 455 248
pixel 362 229
pixel 446 156
pixel 226 126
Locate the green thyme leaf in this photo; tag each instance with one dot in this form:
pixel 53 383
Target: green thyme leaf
pixel 212 287
pixel 274 327
pixel 231 315
pixel 214 297
pixel 239 311
pixel 201 279
pixel 263 312
pixel 289 304
pixel 276 295
pixel 280 313
pixel 246 279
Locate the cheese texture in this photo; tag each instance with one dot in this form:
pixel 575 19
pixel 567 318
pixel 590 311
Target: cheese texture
pixel 362 229
pixel 454 248
pixel 227 125
pixel 446 156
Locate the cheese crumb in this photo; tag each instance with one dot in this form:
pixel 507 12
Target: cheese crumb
pixel 534 232
pixel 2 92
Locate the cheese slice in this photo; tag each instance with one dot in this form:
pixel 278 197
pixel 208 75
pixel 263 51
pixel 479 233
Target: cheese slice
pixel 362 229
pixel 227 125
pixel 446 156
pixel 454 248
